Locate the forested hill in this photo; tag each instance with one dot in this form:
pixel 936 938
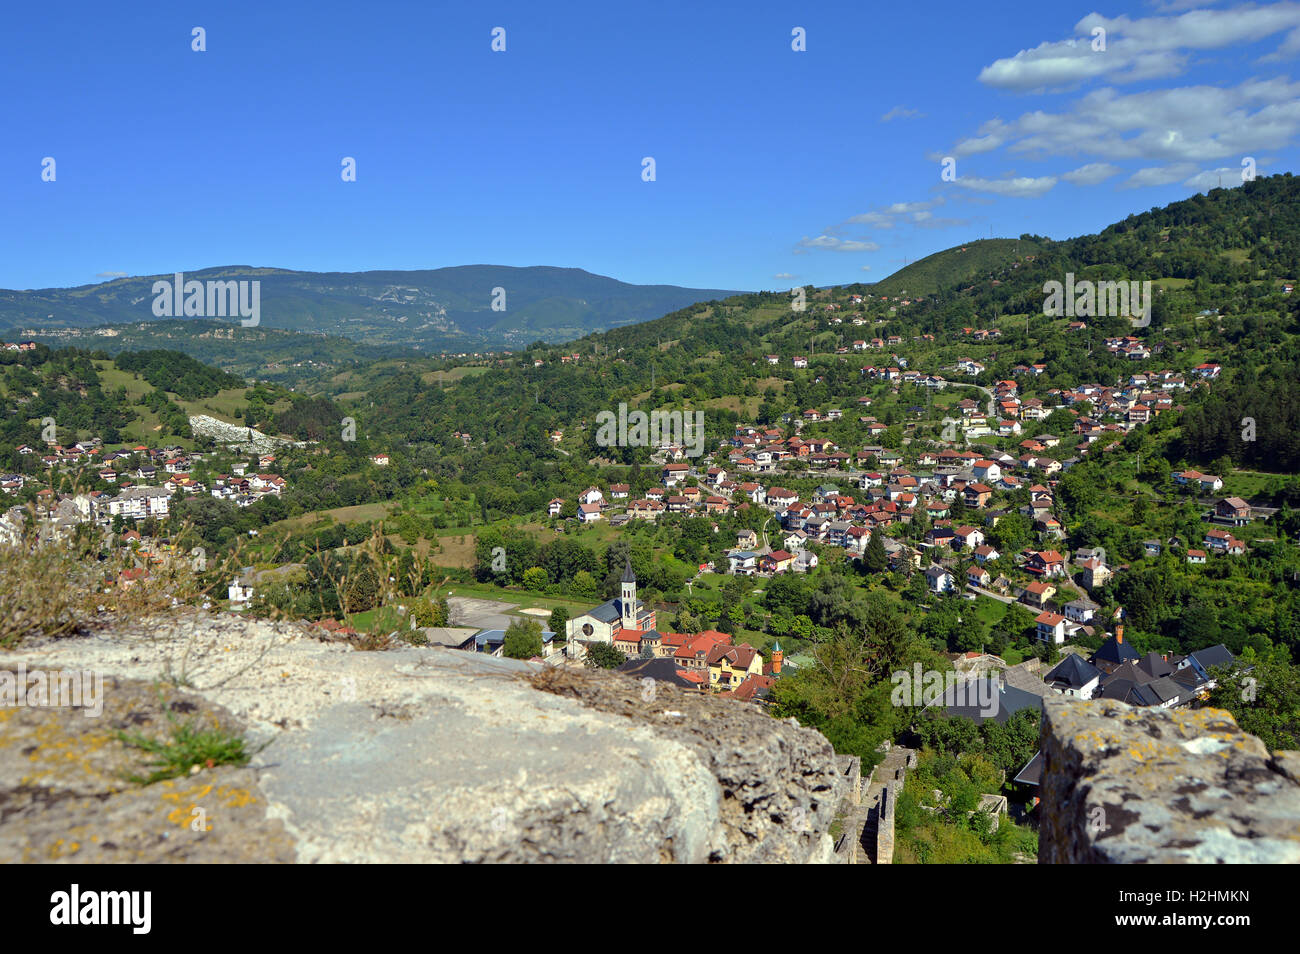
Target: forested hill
pixel 1219 264
pixel 457 309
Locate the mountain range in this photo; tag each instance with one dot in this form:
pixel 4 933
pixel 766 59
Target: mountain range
pixel 444 309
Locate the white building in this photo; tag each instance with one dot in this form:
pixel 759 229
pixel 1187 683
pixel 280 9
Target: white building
pixel 137 503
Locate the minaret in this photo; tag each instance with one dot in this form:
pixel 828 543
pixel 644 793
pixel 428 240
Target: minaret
pixel 627 594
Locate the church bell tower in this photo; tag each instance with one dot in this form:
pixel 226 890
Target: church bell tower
pixel 627 598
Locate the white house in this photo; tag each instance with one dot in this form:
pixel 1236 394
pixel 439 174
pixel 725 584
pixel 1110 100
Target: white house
pixel 939 580
pixel 240 593
pixel 1051 628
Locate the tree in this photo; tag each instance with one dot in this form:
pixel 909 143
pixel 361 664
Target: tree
pixel 603 656
pixel 535 578
pixel 874 559
pixel 362 588
pixel 559 618
pixel 1265 701
pixel 523 639
pixel 426 612
pixel 583 585
pixel 1016 621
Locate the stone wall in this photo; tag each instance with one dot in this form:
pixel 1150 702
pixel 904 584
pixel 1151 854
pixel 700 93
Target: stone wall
pixel 1135 785
pixel 433 755
pixel 410 755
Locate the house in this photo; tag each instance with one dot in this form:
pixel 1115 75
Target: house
pixel 592 496
pixel 589 513
pixel 1046 564
pixel 1206 483
pixel 1051 628
pixel 804 561
pixel 555 506
pixel 778 561
pixel 1195 556
pixel 1074 676
pixel 977 495
pixel 985 554
pixel 968 537
pixel 1114 652
pixel 1232 510
pixel 1221 541
pixel 940 536
pixel 672 474
pixel 140 502
pixel 493 642
pixel 1037 594
pixel 742 563
pixel 978 576
pixel 1203 661
pixel 379 460
pixel 799 361
pixel 240 591
pixel 939 580
pixel 729 666
pixel 778 498
pixel 746 539
pixel 619 491
pixel 1095 572
pixel 1081 610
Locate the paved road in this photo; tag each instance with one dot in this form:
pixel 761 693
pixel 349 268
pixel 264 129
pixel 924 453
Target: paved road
pixel 485 614
pixel 989 593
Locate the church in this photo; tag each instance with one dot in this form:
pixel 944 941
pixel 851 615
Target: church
pixel 622 617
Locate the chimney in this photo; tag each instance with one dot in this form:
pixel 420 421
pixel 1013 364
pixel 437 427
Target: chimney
pixel 1119 634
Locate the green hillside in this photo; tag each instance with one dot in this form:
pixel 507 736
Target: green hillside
pixel 956 266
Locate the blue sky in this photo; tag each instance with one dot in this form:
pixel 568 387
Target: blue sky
pixel 773 167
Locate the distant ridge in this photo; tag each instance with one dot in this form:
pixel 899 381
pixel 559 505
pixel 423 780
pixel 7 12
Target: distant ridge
pixel 431 309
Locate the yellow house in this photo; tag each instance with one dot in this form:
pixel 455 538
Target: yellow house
pixel 729 666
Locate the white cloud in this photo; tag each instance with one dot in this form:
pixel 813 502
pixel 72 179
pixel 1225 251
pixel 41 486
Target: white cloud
pixel 1178 124
pixel 974 145
pixel 1023 187
pixel 887 216
pixel 835 244
pixel 878 220
pixel 1289 49
pixel 111 275
pixel 1225 177
pixel 1142 49
pixel 1091 174
pixel 1159 175
pixel 902 112
pixel 866 268
pixel 784 275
